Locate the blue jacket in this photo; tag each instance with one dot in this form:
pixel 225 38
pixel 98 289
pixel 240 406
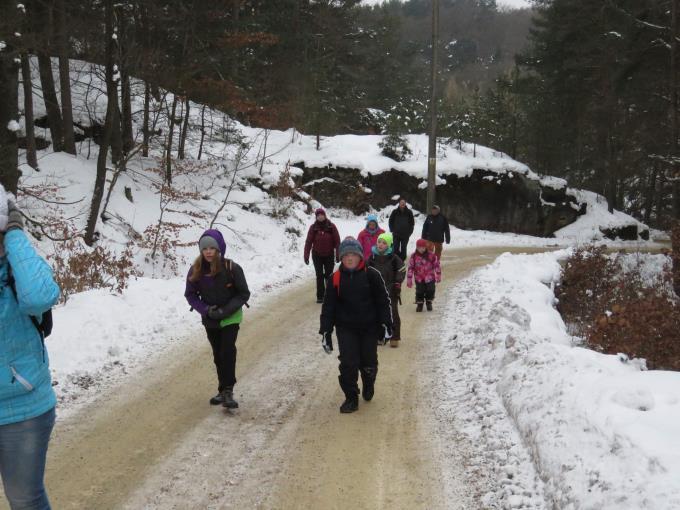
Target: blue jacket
pixel 25 382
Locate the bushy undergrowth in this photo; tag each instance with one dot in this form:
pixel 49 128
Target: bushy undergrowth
pixel 616 310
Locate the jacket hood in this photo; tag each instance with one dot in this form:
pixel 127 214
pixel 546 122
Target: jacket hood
pixel 217 236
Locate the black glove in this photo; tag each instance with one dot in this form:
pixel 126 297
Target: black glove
pixel 306 261
pixel 327 341
pixel 387 330
pixel 15 219
pixel 216 313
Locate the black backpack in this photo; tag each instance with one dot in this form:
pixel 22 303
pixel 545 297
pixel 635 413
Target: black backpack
pixel 44 325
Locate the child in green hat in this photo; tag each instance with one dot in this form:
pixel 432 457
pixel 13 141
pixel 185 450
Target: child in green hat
pixel 393 271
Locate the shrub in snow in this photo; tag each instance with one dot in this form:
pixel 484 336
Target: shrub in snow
pixel 615 306
pixel 77 269
pixel 395 146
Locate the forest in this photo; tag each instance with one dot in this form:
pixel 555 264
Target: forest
pixel 582 90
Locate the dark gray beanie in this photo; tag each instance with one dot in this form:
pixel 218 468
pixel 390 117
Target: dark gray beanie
pixel 208 242
pixel 350 245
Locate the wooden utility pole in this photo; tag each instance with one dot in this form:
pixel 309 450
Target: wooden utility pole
pixel 432 148
pixel 674 108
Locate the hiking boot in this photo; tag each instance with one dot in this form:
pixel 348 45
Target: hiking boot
pixel 429 306
pixel 419 307
pixel 350 404
pixel 368 390
pixel 228 395
pixel 394 342
pixel 319 300
pixel 217 399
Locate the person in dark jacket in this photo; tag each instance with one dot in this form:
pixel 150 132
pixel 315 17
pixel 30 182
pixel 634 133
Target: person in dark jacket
pixel 401 225
pixel 322 241
pixel 393 271
pixel 436 231
pixel 357 305
pixel 217 289
pixel 27 399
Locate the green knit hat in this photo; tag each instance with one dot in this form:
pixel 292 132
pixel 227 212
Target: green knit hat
pixel 387 238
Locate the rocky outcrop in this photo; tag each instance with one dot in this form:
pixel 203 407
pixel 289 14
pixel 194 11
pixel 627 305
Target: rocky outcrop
pixel 484 200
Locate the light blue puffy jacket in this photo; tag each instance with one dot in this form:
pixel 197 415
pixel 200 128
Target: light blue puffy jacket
pixel 25 382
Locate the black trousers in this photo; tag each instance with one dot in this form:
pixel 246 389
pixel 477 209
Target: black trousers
pixel 223 343
pixel 424 291
pixel 324 268
pixel 400 246
pixel 358 353
pixel 396 320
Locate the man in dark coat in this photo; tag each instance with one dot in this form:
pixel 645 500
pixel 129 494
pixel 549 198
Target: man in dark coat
pixel 401 225
pixel 322 242
pixel 436 231
pixel 357 305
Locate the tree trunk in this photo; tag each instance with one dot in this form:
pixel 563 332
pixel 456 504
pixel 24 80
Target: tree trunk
pixel 9 111
pixel 111 108
pixel 31 156
pixel 64 78
pixel 185 129
pixel 200 146
pixel 126 93
pixel 145 122
pixel 44 26
pixel 674 108
pixel 171 131
pixel 649 195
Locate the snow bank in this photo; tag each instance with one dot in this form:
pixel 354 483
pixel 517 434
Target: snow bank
pixel 601 432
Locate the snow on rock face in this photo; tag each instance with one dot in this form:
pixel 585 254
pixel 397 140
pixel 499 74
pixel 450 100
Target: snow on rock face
pixel 601 434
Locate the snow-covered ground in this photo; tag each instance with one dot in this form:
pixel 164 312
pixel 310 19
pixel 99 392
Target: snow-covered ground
pixel 600 430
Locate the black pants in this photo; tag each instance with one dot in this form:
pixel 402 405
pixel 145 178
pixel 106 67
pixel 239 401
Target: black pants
pixel 424 291
pixel 324 268
pixel 223 343
pixel 358 353
pixel 400 246
pixel 396 320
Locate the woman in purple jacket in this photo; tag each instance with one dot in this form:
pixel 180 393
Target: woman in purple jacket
pixel 217 289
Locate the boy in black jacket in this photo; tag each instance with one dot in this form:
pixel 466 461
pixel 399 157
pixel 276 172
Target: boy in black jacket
pixel 358 306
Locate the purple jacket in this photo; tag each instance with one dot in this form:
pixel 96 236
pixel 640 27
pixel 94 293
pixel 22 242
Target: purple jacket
pixel 227 289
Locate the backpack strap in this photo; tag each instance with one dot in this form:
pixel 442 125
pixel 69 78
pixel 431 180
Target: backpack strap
pixel 336 281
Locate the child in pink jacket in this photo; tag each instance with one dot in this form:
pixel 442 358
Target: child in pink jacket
pixel 424 266
pixel 368 237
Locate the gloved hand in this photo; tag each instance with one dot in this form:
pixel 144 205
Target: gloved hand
pixel 437 279
pixel 387 330
pixel 216 313
pixel 15 220
pixel 307 261
pixel 409 283
pixel 327 341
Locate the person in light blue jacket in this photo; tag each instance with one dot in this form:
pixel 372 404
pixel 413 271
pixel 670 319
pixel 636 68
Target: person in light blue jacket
pixel 27 400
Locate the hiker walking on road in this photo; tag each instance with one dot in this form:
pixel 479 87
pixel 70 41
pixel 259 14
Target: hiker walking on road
pixel 27 400
pixel 369 236
pixel 436 231
pixel 217 289
pixel 424 267
pixel 393 271
pixel 401 225
pixel 322 242
pixel 357 305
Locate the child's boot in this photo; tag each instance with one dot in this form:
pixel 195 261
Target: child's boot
pixel 419 306
pixel 429 306
pixel 228 398
pixel 350 404
pixel 394 342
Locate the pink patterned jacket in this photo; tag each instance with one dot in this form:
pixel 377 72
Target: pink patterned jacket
pixel 425 268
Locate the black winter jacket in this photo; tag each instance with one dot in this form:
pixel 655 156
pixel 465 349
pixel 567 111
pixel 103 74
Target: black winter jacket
pixel 401 222
pixel 436 229
pixel 391 268
pixel 360 301
pixel 228 289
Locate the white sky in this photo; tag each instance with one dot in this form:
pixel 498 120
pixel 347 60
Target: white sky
pixel 515 4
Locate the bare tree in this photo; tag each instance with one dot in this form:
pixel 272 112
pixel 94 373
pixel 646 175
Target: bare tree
pixel 31 156
pixel 9 83
pixel 64 77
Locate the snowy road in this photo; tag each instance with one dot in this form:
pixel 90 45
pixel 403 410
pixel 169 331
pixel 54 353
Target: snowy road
pixel 156 443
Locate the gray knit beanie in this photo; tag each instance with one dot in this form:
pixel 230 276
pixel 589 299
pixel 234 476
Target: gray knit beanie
pixel 350 245
pixel 208 242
